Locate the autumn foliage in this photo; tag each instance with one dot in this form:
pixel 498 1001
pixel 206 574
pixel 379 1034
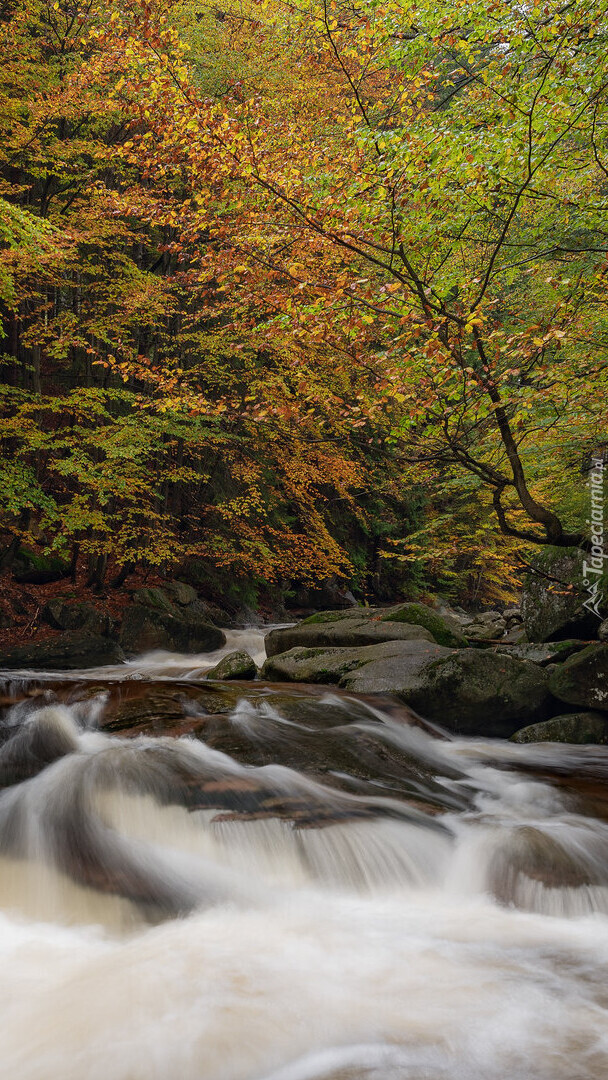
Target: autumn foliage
pixel 276 274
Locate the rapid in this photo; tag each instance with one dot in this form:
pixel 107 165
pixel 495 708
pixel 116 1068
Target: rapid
pixel 258 882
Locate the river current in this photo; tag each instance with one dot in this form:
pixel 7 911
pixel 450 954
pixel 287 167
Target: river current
pixel 270 883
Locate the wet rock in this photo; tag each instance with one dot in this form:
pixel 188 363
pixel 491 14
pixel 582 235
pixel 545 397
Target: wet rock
pixel 583 678
pixel 347 632
pixel 71 650
pixel 146 627
pixel 380 668
pixel 469 691
pixel 579 728
pixel 62 615
pixel 553 598
pixel 236 665
pixel 551 652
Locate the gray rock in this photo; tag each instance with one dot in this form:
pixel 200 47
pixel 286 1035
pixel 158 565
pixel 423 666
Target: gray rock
pixel 146 628
pixel 342 633
pixel 477 692
pixel 469 691
pixel 582 727
pixel 444 632
pixel 583 678
pixel 382 667
pixel 71 650
pixel 602 631
pixel 483 628
pixel 180 593
pixel 235 665
pixel 62 615
pixel 154 598
pixel 551 652
pixel 515 636
pixel 553 599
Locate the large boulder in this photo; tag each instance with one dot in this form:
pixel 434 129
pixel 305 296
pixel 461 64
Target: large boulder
pixel 583 678
pixel 72 650
pixel 580 728
pixel 146 628
pixel 383 667
pixel 62 615
pixel 445 632
pixel 235 665
pixel 554 596
pixel 471 691
pixel 366 626
pixel 346 632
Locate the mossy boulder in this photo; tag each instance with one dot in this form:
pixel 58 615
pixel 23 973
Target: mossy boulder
pixel 578 728
pixel 549 652
pixel 476 692
pixel 32 568
pixel 180 593
pixel 349 631
pixel 383 666
pixel 235 665
pixel 583 678
pixel 63 615
pixel 443 633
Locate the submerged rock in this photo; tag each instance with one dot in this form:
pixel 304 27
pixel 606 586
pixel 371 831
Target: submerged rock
pixel 581 727
pixel 236 665
pixel 71 650
pixel 583 678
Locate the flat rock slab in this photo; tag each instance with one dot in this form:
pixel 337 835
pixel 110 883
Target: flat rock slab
pixel 366 626
pixel 382 665
pixel 344 634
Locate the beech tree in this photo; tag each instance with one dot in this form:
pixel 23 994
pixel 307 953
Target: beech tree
pixel 423 195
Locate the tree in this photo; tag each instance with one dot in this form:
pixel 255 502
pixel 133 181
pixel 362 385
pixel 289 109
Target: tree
pixel 423 193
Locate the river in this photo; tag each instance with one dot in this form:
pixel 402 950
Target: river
pixel 265 882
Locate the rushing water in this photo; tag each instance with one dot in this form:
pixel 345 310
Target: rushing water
pixel 302 886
